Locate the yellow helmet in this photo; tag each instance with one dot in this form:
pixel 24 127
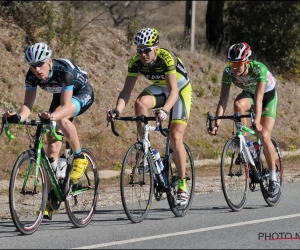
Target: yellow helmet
pixel 147 36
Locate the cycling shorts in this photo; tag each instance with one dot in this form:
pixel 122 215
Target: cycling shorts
pixel 83 100
pixel 269 105
pixel 182 107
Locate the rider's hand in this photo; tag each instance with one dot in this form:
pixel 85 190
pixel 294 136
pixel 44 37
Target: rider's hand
pixel 111 114
pixel 214 130
pixel 257 126
pixel 12 116
pixel 45 116
pixel 162 114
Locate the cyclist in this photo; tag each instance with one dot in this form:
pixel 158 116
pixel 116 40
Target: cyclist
pixel 72 96
pixel 170 87
pixel 258 86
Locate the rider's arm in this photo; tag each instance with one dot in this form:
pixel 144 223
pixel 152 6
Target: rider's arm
pixel 29 99
pixel 171 83
pixel 222 103
pixel 126 92
pixel 65 103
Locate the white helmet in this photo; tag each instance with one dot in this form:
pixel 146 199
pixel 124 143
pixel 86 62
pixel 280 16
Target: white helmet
pixel 38 52
pixel 147 36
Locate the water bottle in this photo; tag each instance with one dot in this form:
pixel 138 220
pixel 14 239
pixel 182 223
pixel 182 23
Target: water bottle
pixel 157 158
pixel 252 149
pixel 61 167
pixel 53 163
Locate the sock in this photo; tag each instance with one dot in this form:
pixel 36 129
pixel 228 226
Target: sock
pixel 272 175
pixel 182 184
pixel 78 154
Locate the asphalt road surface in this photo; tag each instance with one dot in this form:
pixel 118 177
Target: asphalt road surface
pixel 209 224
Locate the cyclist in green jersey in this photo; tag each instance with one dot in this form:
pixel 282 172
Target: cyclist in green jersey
pixel 259 91
pixel 170 88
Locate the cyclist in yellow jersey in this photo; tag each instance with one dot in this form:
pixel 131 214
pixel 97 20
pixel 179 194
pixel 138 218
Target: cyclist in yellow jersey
pixel 170 88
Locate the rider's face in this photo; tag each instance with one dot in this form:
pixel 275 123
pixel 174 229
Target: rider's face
pixel 238 68
pixel 41 69
pixel 147 54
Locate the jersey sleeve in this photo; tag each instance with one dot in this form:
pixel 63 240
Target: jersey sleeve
pixel 226 77
pixel 30 81
pixel 261 72
pixel 133 66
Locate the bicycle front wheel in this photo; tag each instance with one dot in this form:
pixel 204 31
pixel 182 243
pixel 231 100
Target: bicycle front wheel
pixel 172 179
pixel 234 175
pixel 136 186
pixel 27 193
pixel 82 199
pixel 264 182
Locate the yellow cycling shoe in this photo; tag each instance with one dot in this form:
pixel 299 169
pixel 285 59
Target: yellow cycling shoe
pixel 48 211
pixel 79 166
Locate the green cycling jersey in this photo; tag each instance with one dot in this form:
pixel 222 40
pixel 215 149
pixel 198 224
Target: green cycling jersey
pixel 257 72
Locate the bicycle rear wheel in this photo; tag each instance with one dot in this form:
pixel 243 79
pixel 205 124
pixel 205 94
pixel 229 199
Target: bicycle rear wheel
pixel 234 175
pixel 136 188
pixel 264 183
pixel 82 199
pixel 172 179
pixel 27 193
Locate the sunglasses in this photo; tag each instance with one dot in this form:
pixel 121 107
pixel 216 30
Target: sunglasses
pixel 236 64
pixel 38 64
pixel 145 50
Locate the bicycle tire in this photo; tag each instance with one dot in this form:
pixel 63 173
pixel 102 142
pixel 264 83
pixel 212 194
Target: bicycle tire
pixel 234 177
pixel 82 199
pixel 136 189
pixel 180 211
pixel 27 205
pixel 264 182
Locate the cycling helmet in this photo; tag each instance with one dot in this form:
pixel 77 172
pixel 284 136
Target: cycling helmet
pixel 147 36
pixel 38 52
pixel 239 52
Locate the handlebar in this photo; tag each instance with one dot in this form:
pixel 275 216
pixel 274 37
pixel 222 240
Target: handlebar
pixel 142 118
pixel 236 117
pixel 52 129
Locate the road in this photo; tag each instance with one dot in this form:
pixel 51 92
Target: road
pixel 209 224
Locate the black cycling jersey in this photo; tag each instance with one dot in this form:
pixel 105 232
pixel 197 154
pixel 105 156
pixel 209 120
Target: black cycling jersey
pixel 64 75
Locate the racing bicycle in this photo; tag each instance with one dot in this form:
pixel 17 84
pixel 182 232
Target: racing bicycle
pixel 138 188
pixel 32 171
pixel 242 170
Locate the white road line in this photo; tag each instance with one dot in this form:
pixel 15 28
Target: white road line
pixel 114 243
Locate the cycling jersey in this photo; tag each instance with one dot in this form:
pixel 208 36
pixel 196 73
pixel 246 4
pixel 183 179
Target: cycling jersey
pixel 64 75
pixel 167 62
pixel 257 72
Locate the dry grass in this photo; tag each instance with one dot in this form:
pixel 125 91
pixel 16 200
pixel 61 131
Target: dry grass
pixel 104 55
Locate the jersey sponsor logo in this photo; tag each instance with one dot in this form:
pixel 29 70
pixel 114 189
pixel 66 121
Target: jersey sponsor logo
pixel 155 77
pixel 181 68
pixel 166 57
pixel 85 100
pixel 53 90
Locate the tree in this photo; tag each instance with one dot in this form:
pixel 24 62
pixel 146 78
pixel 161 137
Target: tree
pixel 214 24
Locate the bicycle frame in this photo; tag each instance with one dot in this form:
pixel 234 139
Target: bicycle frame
pixel 41 157
pixel 240 128
pixel 145 140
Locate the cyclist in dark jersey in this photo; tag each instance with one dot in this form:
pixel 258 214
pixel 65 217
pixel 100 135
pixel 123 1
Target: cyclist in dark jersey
pixel 258 85
pixel 72 96
pixel 170 88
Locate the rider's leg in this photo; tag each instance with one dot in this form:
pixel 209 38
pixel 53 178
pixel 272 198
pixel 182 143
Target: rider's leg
pixel 176 139
pixel 141 106
pixel 265 137
pixel 242 104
